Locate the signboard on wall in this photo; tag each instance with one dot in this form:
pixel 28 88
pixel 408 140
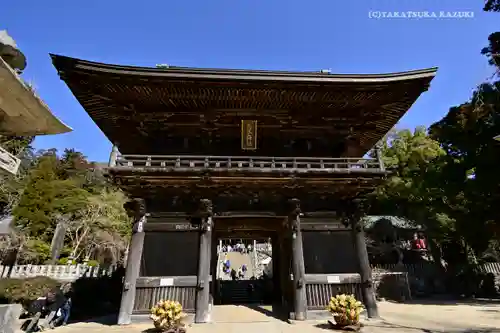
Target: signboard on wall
pixel 249 134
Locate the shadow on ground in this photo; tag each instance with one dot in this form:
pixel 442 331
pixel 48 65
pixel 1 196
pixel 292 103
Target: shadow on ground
pixel 274 313
pixel 444 300
pixel 109 320
pixel 155 330
pixel 399 328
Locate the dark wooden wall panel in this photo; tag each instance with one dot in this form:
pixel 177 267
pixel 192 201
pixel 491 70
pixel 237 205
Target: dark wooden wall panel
pixel 170 253
pixel 327 252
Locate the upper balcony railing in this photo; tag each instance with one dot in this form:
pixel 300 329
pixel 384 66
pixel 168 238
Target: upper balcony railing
pixel 247 163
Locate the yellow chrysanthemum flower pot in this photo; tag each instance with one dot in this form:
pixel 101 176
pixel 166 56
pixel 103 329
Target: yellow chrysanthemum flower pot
pixel 345 309
pixel 168 316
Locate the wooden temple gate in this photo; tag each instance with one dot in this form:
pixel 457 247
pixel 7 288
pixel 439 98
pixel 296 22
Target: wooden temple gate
pixel 204 152
pixel 302 281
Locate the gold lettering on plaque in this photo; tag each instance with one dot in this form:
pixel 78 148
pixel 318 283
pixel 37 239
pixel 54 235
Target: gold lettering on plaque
pixel 249 134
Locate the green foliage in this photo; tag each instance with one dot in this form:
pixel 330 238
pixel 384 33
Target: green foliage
pixel 11 190
pixel 24 291
pixel 467 134
pixel 492 51
pixel 16 144
pixel 448 181
pixel 36 250
pixel 70 190
pixel 492 6
pixel 65 261
pixel 92 263
pixel 430 187
pixel 410 191
pixel 45 197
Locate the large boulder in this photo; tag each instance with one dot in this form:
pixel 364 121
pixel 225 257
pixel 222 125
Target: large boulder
pixel 10 53
pixel 9 317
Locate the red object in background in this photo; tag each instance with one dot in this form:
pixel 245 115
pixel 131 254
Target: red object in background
pixel 419 243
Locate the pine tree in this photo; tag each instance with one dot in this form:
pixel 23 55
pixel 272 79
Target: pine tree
pixel 47 197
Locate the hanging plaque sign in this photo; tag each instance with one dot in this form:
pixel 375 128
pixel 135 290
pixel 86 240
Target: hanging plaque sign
pixel 249 134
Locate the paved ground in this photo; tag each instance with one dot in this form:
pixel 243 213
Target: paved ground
pixel 401 318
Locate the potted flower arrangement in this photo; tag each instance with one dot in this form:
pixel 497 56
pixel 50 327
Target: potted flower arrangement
pixel 345 310
pixel 168 316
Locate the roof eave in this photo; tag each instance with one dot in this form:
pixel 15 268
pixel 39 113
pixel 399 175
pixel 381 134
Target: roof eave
pixel 63 64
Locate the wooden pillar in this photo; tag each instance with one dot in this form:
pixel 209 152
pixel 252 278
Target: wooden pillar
pixel 137 210
pixel 358 237
pixel 202 314
pixel 299 283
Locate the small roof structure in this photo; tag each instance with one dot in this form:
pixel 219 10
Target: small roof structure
pixel 22 112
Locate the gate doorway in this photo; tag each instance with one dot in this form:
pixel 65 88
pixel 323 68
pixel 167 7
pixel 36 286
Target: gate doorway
pixel 244 271
pixel 266 282
pixel 261 287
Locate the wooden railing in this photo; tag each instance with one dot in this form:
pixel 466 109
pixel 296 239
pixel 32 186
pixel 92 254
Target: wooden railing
pixel 253 163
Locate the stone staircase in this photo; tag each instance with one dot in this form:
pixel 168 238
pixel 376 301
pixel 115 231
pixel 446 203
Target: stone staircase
pixel 238 292
pixel 237 260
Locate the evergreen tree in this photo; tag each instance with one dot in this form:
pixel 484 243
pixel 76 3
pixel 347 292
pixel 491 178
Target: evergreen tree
pixel 46 197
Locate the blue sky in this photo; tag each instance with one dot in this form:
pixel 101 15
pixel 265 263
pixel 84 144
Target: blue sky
pixel 258 34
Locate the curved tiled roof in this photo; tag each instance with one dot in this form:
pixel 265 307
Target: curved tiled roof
pixel 134 106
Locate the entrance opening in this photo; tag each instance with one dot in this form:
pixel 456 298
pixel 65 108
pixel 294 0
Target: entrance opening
pixel 244 271
pixel 255 276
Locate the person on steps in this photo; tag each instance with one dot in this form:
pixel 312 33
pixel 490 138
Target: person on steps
pixel 234 276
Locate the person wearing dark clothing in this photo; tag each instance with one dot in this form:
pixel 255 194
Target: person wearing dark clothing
pixel 233 275
pixel 46 307
pixel 63 318
pixel 53 306
pixel 55 300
